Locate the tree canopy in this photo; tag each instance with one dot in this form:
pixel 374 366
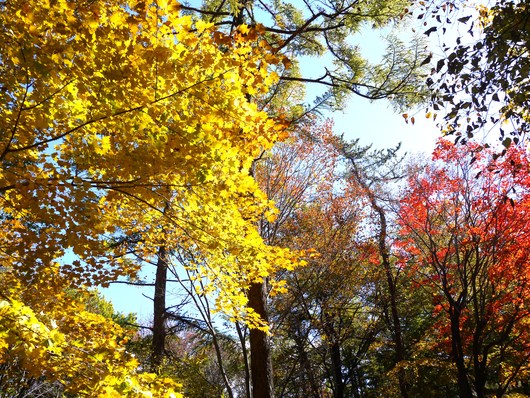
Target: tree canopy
pixel 137 134
pixel 124 126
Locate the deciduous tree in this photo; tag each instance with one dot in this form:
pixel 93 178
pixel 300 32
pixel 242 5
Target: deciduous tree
pixel 320 31
pixel 124 126
pixel 464 224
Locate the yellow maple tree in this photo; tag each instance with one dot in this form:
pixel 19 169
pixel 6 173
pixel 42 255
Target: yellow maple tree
pixel 124 126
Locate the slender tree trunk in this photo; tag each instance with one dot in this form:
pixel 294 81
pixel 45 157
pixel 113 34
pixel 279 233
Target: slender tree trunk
pixel 336 368
pixel 220 364
pixel 464 387
pixel 159 311
pixel 260 352
pixel 245 360
pixel 357 380
pixel 260 347
pixel 395 323
pixel 392 291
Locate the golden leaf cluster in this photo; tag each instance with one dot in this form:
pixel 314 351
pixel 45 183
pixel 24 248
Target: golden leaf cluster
pixel 124 126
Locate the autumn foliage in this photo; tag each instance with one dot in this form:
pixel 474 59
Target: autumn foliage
pixel 124 126
pixel 135 133
pixel 465 237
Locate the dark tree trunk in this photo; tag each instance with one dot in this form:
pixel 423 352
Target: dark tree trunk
pixel 357 381
pixel 480 360
pixel 396 326
pixel 260 353
pixel 245 360
pixel 464 386
pixel 159 311
pixel 336 368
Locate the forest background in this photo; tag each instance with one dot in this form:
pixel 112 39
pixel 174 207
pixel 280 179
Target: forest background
pixel 173 147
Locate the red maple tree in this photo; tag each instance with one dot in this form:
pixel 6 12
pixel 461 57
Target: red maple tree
pixel 465 236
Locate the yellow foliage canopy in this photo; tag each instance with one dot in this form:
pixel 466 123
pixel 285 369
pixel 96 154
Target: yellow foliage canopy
pixel 122 119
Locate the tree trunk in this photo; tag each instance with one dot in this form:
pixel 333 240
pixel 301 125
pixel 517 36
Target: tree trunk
pixel 245 360
pixel 395 322
pixel 159 311
pixel 220 364
pixel 396 326
pixel 480 360
pixel 260 353
pixel 464 387
pixel 336 368
pixel 392 295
